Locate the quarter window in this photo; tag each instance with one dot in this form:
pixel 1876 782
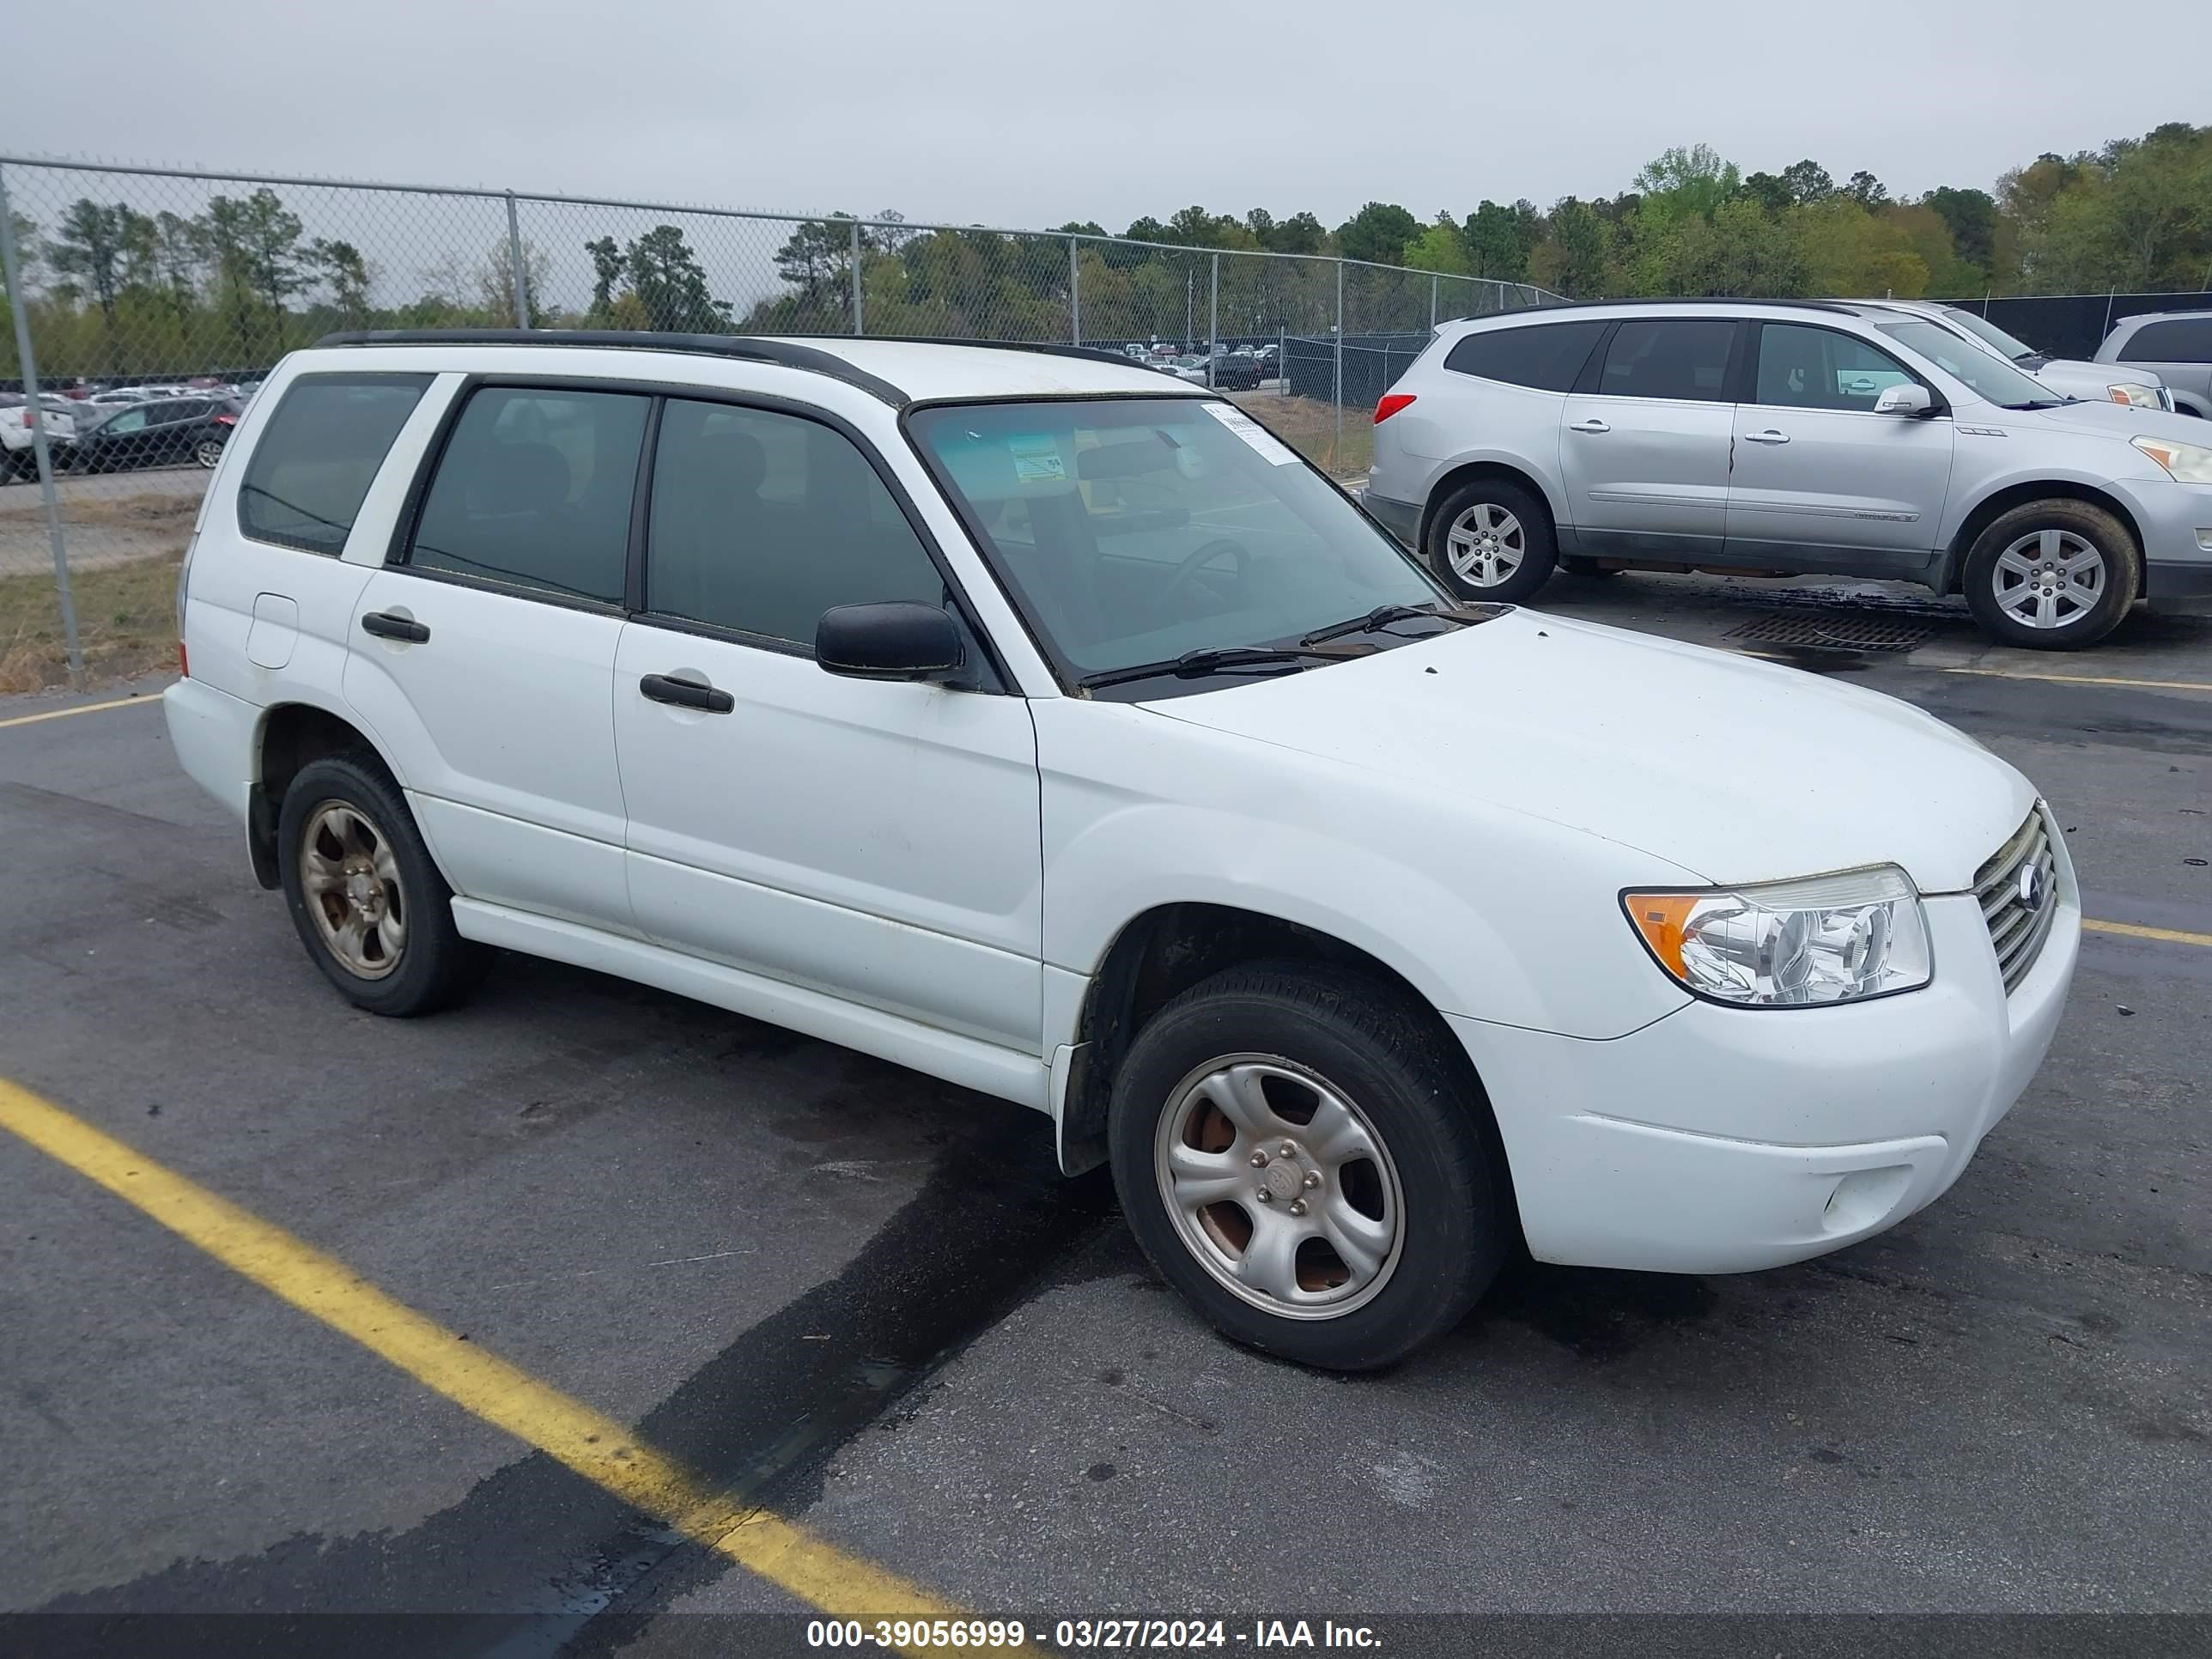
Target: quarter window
pixel 761 521
pixel 2185 340
pixel 316 456
pixel 534 490
pixel 1548 358
pixel 1682 358
pixel 1801 367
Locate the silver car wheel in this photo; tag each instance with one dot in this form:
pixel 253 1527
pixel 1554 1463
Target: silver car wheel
pixel 208 453
pixel 351 881
pixel 1279 1186
pixel 1486 544
pixel 2049 579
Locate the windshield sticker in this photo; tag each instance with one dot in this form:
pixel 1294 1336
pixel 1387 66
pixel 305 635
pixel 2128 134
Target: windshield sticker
pixel 1263 442
pixel 1037 460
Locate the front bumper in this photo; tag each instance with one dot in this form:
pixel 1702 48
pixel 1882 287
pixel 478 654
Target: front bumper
pixel 1723 1140
pixel 2176 522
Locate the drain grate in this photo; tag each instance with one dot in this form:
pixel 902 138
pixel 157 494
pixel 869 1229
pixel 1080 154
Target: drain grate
pixel 1833 632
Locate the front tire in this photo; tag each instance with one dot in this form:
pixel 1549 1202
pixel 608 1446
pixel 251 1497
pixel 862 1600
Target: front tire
pixel 365 896
pixel 1491 540
pixel 208 451
pixel 1386 1213
pixel 2052 575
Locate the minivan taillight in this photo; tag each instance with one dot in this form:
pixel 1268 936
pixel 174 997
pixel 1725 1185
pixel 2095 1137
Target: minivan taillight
pixel 1391 403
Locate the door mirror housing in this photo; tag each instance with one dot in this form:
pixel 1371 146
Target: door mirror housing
pixel 898 639
pixel 1909 399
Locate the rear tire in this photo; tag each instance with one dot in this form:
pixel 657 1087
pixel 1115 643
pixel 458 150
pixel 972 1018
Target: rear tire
pixel 1491 540
pixel 1387 1214
pixel 2052 575
pixel 365 896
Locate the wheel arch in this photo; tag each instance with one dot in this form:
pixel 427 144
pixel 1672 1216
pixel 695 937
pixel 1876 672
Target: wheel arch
pixel 291 736
pixel 1998 502
pixel 1469 472
pixel 1165 951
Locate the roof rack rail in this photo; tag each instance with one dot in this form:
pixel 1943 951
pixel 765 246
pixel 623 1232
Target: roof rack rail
pixel 1048 348
pixel 746 347
pixel 1686 300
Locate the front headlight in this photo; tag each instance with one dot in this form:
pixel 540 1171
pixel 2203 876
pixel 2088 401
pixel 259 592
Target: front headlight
pixel 2184 463
pixel 1841 938
pixel 2134 395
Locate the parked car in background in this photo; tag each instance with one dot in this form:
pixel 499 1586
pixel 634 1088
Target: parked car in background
pixel 2069 377
pixel 1156 821
pixel 1236 371
pixel 161 433
pixel 1787 437
pixel 19 424
pixel 2178 345
pixel 120 397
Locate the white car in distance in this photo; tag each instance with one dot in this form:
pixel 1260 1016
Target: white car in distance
pixel 1024 718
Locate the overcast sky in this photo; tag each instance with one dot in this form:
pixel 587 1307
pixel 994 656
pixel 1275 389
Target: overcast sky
pixel 1021 113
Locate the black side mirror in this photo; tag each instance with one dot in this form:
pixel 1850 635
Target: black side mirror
pixel 896 640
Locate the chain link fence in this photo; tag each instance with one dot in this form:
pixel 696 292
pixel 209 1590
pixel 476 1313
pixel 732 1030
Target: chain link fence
pixel 142 307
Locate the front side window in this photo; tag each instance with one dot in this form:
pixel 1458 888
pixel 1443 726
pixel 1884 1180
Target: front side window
pixel 1547 356
pixel 534 491
pixel 761 521
pixel 1802 368
pixel 1133 530
pixel 316 456
pixel 130 420
pixel 1681 357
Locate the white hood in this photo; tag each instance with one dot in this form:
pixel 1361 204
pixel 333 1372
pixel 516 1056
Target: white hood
pixel 1738 769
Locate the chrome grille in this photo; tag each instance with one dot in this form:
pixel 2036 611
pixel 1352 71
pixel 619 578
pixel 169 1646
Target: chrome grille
pixel 2016 932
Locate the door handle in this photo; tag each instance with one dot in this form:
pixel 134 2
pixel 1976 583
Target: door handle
pixel 686 694
pixel 386 626
pixel 1587 426
pixel 1769 436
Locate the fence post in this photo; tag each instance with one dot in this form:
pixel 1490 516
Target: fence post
pixel 1336 454
pixel 853 269
pixel 521 278
pixel 1433 280
pixel 19 303
pixel 1213 321
pixel 1074 296
pixel 1283 361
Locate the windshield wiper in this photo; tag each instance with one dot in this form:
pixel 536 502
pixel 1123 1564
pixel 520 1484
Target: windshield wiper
pixel 1382 616
pixel 1214 660
pixel 2042 402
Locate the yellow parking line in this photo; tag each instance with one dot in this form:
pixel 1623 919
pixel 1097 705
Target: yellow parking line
pixel 598 1448
pixel 81 708
pixel 2135 930
pixel 2083 679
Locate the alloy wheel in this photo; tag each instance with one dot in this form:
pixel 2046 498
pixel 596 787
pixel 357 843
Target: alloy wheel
pixel 351 880
pixel 1486 544
pixel 2049 579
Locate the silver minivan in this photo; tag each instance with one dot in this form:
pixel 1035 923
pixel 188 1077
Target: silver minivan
pixel 1786 438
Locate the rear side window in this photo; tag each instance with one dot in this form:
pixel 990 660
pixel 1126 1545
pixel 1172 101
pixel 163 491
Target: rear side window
pixel 316 458
pixel 1548 358
pixel 534 490
pixel 2185 340
pixel 1668 357
pixel 762 521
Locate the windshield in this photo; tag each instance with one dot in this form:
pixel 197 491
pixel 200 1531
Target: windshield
pixel 1989 374
pixel 1133 530
pixel 1987 332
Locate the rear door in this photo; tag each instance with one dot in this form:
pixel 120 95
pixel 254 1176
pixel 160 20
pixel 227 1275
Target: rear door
pixel 1821 482
pixel 483 655
pixel 1645 438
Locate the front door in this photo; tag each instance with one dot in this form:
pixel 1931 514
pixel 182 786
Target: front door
pixel 1643 442
pixel 483 662
pixel 877 840
pixel 1822 482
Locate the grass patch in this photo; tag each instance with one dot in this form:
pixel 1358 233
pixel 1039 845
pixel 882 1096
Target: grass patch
pixel 126 617
pixel 1309 425
pixel 153 511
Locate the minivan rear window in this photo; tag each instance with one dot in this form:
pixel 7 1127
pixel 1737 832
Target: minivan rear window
pixel 2183 340
pixel 315 459
pixel 1547 357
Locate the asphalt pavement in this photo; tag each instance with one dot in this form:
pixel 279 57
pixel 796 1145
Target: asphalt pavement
pixel 865 1301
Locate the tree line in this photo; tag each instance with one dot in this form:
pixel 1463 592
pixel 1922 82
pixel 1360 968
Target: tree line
pixel 120 291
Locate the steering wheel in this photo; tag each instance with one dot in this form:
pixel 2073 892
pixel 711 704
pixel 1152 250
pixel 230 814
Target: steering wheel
pixel 1198 561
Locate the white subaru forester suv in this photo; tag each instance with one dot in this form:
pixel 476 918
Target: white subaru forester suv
pixel 1046 725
